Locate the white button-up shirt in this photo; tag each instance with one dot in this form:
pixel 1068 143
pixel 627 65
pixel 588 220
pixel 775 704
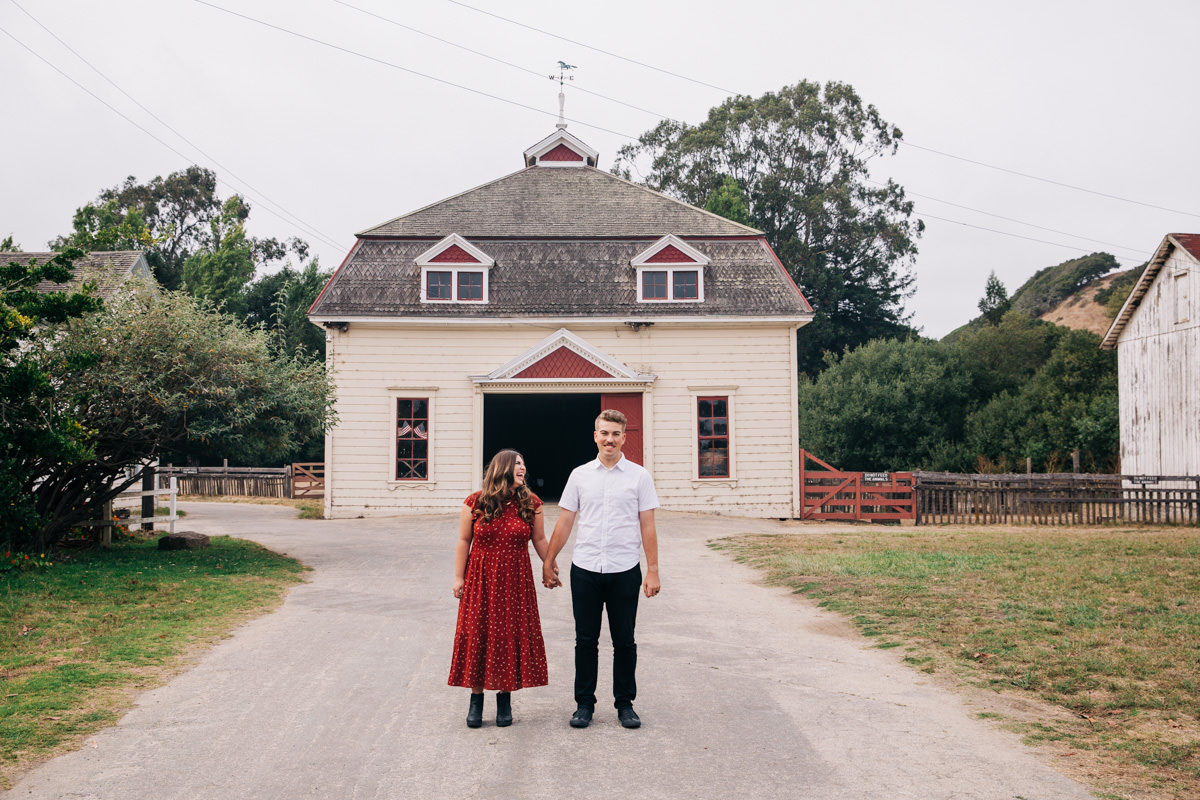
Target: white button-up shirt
pixel 608 532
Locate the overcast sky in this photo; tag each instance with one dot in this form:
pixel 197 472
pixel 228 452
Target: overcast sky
pixel 1101 95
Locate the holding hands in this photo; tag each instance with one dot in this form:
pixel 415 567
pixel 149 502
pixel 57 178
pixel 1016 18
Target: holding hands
pixel 550 577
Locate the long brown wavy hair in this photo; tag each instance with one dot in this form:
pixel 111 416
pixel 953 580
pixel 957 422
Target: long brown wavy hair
pixel 499 487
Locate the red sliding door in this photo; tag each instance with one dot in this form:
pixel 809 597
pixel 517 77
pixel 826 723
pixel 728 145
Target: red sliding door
pixel 631 406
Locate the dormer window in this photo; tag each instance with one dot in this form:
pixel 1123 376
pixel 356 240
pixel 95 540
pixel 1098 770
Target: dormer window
pixel 454 271
pixel 670 271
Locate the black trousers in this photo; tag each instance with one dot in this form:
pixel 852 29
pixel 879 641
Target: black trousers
pixel 591 593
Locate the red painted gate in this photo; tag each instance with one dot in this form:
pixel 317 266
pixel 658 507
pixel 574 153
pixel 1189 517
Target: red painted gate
pixel 828 493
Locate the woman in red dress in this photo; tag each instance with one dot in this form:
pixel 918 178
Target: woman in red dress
pixel 498 642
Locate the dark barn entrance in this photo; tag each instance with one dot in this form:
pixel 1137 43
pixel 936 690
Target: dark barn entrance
pixel 552 431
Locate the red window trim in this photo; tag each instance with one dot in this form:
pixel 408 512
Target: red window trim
pixel 713 438
pixel 666 285
pixel 412 425
pixel 429 285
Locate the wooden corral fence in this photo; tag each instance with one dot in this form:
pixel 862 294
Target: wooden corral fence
pixel 829 493
pixel 295 480
pixel 308 479
pixel 1055 499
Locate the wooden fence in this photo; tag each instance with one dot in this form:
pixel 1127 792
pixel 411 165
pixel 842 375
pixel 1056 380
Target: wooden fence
pixel 250 481
pixel 1055 499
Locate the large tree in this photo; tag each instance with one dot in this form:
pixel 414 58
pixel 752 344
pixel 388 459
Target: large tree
pixel 30 426
pixel 155 372
pixel 171 218
pixel 279 303
pixel 800 158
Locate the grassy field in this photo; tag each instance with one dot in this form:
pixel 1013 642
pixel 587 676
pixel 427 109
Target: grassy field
pixel 1100 628
pixel 79 639
pixel 309 509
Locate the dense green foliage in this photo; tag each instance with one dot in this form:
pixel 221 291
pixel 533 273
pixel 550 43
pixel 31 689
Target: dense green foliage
pixel 996 395
pixel 29 426
pixel 799 158
pixel 994 302
pixel 151 374
pixel 1051 285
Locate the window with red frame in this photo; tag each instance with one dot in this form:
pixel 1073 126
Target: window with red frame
pixel 438 285
pixel 654 285
pixel 685 285
pixel 412 439
pixel 712 414
pixel 470 286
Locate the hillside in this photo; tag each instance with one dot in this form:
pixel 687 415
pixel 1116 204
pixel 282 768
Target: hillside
pixel 1083 293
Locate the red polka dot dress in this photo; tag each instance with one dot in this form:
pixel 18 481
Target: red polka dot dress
pixel 498 642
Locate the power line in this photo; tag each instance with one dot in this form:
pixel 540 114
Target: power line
pixel 902 141
pixel 394 65
pixel 135 124
pixel 1026 238
pixel 1047 180
pixel 496 59
pixel 1011 219
pixel 596 49
pixel 297 221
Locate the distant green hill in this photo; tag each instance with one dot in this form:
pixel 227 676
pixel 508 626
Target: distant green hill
pixel 1050 286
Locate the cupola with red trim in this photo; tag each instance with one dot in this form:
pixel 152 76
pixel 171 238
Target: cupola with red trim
pixel 561 149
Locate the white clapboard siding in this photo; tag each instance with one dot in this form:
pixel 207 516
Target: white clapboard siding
pixel 1159 374
pixel 373 365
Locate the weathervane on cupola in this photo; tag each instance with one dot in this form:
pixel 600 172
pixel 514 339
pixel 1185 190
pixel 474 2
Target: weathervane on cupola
pixel 562 98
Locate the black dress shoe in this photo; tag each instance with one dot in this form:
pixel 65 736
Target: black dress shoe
pixel 628 717
pixel 503 709
pixel 582 717
pixel 475 712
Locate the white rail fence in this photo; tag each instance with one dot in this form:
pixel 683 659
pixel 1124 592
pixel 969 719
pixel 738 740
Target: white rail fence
pixel 132 499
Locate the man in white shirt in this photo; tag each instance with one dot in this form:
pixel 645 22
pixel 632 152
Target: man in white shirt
pixel 614 501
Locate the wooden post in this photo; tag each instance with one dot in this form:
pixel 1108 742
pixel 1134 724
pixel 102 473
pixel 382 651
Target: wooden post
pixel 148 501
pixel 1075 461
pixel 174 492
pixel 106 529
pixel 225 476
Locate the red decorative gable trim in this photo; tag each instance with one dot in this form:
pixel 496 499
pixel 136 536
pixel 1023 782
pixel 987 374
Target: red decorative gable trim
pixel 454 255
pixel 670 255
pixel 561 153
pixel 563 363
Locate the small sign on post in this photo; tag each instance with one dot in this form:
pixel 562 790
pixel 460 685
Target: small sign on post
pixel 876 477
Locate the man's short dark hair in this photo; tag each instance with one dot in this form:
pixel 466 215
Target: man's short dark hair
pixel 611 415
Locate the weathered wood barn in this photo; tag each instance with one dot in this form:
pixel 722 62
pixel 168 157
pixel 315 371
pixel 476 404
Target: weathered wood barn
pixel 511 314
pixel 1157 339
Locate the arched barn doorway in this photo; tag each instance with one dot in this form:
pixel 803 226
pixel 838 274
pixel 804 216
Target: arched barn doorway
pixel 553 432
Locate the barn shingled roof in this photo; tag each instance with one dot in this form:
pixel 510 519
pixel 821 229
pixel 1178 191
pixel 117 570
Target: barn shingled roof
pixel 542 201
pixel 560 277
pixel 109 268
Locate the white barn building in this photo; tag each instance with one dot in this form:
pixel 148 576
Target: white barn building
pixel 511 314
pixel 1157 339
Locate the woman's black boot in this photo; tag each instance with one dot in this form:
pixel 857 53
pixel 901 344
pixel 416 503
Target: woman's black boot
pixel 503 709
pixel 475 712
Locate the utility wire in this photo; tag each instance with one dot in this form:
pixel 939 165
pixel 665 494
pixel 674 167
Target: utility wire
pixel 305 227
pixel 496 59
pixel 1048 180
pixel 902 141
pixel 394 65
pixel 596 49
pixel 135 124
pixel 1011 219
pixel 1026 238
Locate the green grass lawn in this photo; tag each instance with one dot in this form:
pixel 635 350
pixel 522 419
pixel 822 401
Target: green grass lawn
pixel 77 640
pixel 1100 626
